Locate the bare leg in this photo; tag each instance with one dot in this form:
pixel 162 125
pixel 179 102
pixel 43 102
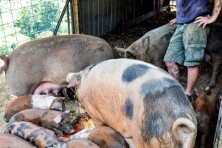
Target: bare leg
pixel 173 69
pixel 192 75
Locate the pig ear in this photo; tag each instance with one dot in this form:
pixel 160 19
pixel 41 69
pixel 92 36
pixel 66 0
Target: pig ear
pixel 73 79
pixel 120 51
pixel 146 42
pixel 132 55
pixel 184 131
pixel 57 119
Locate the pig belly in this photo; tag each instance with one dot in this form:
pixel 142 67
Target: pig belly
pixel 48 87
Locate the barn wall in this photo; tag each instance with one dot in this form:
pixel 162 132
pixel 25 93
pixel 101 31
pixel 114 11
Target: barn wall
pixel 97 17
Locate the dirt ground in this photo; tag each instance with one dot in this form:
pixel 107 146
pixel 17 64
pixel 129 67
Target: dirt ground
pixel 123 37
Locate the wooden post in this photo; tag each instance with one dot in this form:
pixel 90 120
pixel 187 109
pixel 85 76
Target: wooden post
pixel 218 133
pixel 76 15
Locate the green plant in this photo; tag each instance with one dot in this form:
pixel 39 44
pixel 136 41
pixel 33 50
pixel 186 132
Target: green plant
pixel 39 18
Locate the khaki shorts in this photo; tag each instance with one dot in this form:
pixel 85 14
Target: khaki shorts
pixel 187 44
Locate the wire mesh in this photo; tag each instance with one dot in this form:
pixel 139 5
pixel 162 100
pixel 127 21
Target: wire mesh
pixel 24 20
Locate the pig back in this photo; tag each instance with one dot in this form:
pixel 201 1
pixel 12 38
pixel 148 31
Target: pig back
pixel 51 58
pixel 135 98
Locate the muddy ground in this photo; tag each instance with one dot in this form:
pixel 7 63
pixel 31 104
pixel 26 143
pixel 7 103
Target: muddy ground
pixel 123 37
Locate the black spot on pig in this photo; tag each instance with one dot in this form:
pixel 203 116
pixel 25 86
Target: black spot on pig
pixel 133 72
pixel 21 129
pixel 158 94
pixel 156 126
pixel 49 139
pixel 129 108
pixel 11 127
pixel 154 89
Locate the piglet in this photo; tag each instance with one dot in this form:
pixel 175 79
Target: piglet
pixel 57 121
pixel 103 136
pixel 206 111
pixel 39 136
pixel 12 141
pixel 33 101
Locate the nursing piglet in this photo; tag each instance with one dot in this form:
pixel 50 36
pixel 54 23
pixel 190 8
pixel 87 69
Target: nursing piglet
pixel 140 101
pixel 103 136
pixel 33 101
pixel 57 121
pixel 39 136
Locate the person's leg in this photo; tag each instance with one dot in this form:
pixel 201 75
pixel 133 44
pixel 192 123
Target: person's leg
pixel 194 39
pixel 175 53
pixel 173 69
pixel 192 75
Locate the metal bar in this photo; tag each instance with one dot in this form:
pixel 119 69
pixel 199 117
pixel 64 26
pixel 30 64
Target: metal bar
pixel 72 17
pixel 61 17
pixel 68 21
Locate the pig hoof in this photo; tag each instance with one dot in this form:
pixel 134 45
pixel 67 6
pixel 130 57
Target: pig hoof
pixel 207 90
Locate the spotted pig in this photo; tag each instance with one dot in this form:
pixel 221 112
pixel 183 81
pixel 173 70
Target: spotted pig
pixel 39 136
pixel 140 101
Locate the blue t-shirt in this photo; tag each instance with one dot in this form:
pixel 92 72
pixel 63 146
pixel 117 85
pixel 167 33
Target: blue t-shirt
pixel 188 10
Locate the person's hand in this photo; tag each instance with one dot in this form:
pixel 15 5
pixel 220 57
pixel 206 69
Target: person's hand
pixel 173 21
pixel 204 20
